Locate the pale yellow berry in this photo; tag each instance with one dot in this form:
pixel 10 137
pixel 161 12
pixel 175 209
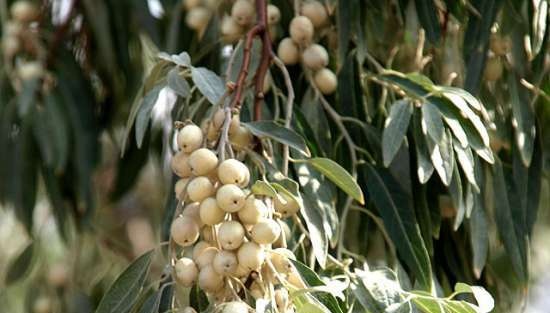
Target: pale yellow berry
pixel 192 210
pixel 188 310
pixel 179 187
pixel 326 81
pixel 251 255
pixel 235 307
pixel 189 4
pixel 285 230
pixel 206 257
pixel 287 207
pixel 301 30
pixel 315 57
pixel 210 212
pixel 58 274
pixel 12 29
pixel 243 12
pixel 30 70
pixel 225 263
pixel 281 299
pixel 184 231
pixel 200 188
pixel 230 198
pixel 42 305
pixel 316 12
pixel 10 46
pixel 219 119
pixel 280 258
pixel 24 11
pixel 197 18
pixel 202 161
pixel 186 272
pixel 212 133
pixel 288 51
pixel 500 45
pixel 273 14
pixel 232 171
pixel 199 248
pixel 256 292
pixel 241 139
pixel 211 4
pixel 231 31
pixel 268 81
pixel 252 211
pixel 241 271
pixel 231 235
pixel 493 69
pixel 190 138
pixel 209 280
pixel 295 280
pixel 266 231
pixel 180 164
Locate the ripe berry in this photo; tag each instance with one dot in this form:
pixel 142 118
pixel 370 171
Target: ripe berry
pixel 179 187
pixel 493 69
pixel 295 280
pixel 197 18
pixel 199 248
pixel 180 164
pixel 189 4
pixel 281 299
pixel 184 231
pixel 42 305
pixel 206 257
pixel 230 198
pixel 209 280
pixel 231 235
pixel 252 211
pixel 315 57
pixel 58 275
pixel 326 81
pixel 190 138
pixel 288 51
pixel 251 255
pixel 202 161
pixel 30 70
pixel 188 310
pixel 231 31
pixel 266 231
pixel 273 14
pixel 287 208
pixel 243 12
pixel 186 272
pixel 219 119
pixel 225 263
pixel 10 45
pixel 210 212
pixel 316 12
pixel 232 171
pixel 241 271
pixel 200 188
pixel 24 11
pixel 280 258
pixel 192 210
pixel 235 307
pixel 301 30
pixel 240 139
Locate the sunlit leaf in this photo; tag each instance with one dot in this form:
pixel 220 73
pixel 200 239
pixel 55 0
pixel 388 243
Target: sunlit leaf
pixel 281 134
pixel 395 129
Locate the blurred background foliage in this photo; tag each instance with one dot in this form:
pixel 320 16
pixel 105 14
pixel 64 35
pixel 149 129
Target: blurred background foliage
pixel 75 213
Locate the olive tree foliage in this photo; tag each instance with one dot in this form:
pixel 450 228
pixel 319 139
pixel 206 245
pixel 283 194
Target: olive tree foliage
pixel 420 176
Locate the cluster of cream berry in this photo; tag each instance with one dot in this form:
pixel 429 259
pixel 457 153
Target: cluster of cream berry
pixel 233 241
pixel 19 37
pixel 234 25
pixel 300 46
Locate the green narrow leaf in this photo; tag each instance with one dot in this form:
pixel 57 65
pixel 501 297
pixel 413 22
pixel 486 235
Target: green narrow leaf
pixel 485 301
pixel 263 188
pixel 398 216
pixel 177 83
pixel 395 129
pixel 21 265
pixel 256 52
pixel 26 98
pixel 343 14
pixel 457 196
pixel 441 155
pixel 466 160
pixel 281 134
pixel 538 25
pixel 339 176
pixel 425 167
pixel 122 294
pixel 144 113
pixel 209 84
pixel 198 299
pixel 523 119
pixel 427 15
pixel 379 291
pixel 479 237
pixel 534 186
pixel 460 103
pixel 431 123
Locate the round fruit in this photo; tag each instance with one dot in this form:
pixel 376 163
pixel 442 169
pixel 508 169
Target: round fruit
pixel 281 299
pixel 202 161
pixel 30 70
pixel 179 187
pixel 326 81
pixel 315 57
pixel 188 310
pixel 252 211
pixel 197 18
pixel 24 11
pixel 493 69
pixel 235 307
pixel 316 12
pixel 184 231
pixel 288 51
pixel 232 171
pixel 287 208
pixel 231 31
pixel 210 212
pixel 295 280
pixel 209 280
pixel 266 231
pixel 231 235
pixel 200 188
pixel 251 255
pixel 268 81
pixel 189 4
pixel 273 14
pixel 301 30
pixel 219 119
pixel 180 164
pixel 499 45
pixel 280 258
pixel 225 263
pixel 199 248
pixel 192 210
pixel 240 139
pixel 243 12
pixel 12 29
pixel 42 305
pixel 206 257
pixel 190 138
pixel 230 198
pixel 10 45
pixel 58 275
pixel 285 230
pixel 186 272
pixel 241 271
